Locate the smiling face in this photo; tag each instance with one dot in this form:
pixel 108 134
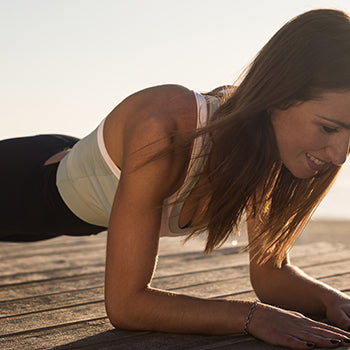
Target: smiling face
pixel 313 134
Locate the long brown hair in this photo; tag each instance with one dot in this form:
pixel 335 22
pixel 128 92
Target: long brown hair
pixel 307 56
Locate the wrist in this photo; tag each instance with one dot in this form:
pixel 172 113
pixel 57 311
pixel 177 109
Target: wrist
pixel 249 316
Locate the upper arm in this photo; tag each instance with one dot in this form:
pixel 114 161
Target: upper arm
pixel 256 269
pixel 261 273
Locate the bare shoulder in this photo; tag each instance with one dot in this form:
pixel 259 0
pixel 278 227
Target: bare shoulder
pixel 170 105
pixel 148 116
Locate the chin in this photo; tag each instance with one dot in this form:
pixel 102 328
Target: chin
pixel 302 174
pixel 306 176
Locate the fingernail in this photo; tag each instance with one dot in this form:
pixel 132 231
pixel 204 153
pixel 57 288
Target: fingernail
pixel 335 341
pixel 311 345
pixel 346 340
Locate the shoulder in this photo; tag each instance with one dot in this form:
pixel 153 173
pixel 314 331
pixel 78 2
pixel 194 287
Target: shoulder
pixel 146 123
pixel 147 115
pixel 152 114
pixel 175 94
pixel 171 106
pixel 157 113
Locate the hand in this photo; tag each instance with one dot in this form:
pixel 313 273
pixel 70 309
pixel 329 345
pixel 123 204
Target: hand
pixel 338 311
pixel 292 329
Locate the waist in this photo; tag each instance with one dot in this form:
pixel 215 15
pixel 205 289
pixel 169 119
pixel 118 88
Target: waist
pixel 57 157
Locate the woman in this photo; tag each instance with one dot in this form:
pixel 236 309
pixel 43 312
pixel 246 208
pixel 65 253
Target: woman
pixel 169 161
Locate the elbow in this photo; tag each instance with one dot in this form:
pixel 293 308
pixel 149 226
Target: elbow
pixel 124 314
pixel 262 283
pixel 118 316
pixel 115 317
pixel 259 290
pixel 262 295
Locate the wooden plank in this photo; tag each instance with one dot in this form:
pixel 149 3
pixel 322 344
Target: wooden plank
pixel 44 263
pixel 50 337
pixel 27 252
pixel 51 286
pixel 328 268
pixel 19 307
pixel 38 276
pixel 52 318
pixel 340 281
pixel 334 231
pixel 15 248
pixel 199 277
pixel 322 259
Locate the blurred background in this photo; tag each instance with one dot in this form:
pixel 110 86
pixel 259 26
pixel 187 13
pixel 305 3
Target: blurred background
pixel 65 64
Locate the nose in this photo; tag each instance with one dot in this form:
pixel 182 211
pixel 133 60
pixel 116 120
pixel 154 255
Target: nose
pixel 338 149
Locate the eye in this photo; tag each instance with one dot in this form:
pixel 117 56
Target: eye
pixel 329 130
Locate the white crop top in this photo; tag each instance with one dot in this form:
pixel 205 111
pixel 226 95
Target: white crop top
pixel 87 178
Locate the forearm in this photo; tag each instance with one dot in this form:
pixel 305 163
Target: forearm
pixel 290 288
pixel 168 312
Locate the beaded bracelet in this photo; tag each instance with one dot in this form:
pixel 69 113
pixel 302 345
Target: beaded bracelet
pixel 250 314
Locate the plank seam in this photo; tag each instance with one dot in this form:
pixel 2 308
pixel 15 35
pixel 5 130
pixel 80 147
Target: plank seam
pixel 50 327
pixel 51 294
pixel 53 309
pixel 96 274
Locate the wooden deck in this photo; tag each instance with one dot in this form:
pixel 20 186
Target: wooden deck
pixel 51 292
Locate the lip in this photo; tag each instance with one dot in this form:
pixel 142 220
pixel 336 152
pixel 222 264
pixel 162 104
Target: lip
pixel 313 165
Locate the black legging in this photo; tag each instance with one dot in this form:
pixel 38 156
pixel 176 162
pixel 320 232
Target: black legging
pixel 31 207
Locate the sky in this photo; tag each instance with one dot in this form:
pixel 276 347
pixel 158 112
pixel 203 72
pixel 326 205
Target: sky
pixel 65 64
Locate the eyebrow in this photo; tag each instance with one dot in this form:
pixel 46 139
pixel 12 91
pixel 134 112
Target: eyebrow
pixel 343 125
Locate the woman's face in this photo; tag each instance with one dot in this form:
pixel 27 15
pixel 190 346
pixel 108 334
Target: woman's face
pixel 312 134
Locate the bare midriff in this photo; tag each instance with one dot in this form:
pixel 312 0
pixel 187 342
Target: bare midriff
pixel 56 157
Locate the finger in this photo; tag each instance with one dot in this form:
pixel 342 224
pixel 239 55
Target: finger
pixel 334 335
pixel 292 342
pixel 321 327
pixel 322 340
pixel 322 334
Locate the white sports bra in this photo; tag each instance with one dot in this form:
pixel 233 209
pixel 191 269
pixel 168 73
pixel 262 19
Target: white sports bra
pixel 87 178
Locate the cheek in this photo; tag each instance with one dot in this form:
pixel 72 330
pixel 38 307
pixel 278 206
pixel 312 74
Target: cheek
pixel 293 132
pixel 298 138
pixel 288 140
pixel 312 139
